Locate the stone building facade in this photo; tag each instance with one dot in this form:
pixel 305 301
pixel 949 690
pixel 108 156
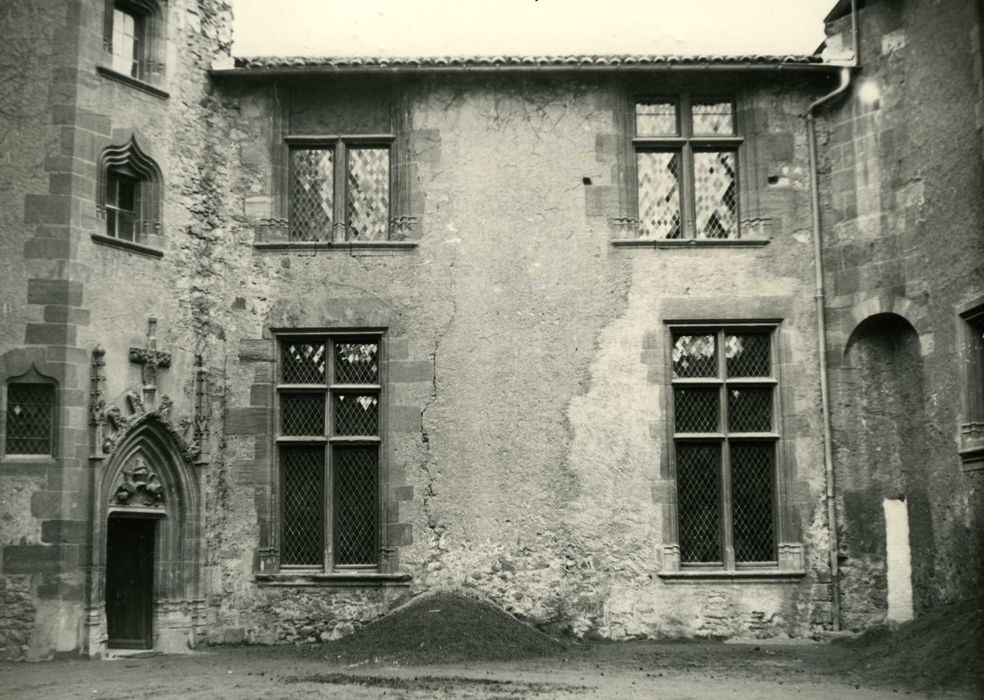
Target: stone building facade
pixel 286 342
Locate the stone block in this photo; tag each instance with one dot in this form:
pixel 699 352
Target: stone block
pixel 58 292
pixel 66 314
pixel 47 209
pixel 49 334
pixel 246 421
pixel 64 531
pixel 256 350
pixel 404 419
pixel 405 372
pixel 400 534
pixel 38 558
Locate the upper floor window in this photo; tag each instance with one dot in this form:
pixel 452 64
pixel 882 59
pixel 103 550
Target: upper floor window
pixel 339 190
pixel 133 36
pixel 686 157
pixel 725 443
pixel 129 42
pixel 329 449
pixel 129 194
pixel 30 413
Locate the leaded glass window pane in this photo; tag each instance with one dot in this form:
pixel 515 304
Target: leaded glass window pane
pixel 302 471
pixel 356 487
pixel 694 356
pixel 713 118
pixel 716 194
pixel 302 414
pixel 696 410
pixel 356 414
pixel 657 118
pixel 303 362
pixel 312 194
pixel 749 409
pixel 699 501
pixel 356 363
pixel 747 354
pixel 29 418
pixel 753 501
pixel 367 193
pixel 659 194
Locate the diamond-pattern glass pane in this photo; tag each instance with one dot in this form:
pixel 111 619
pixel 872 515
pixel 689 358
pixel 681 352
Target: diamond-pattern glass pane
pixel 699 501
pixel 356 414
pixel 716 194
pixel 356 505
pixel 656 119
pixel 302 471
pixel 368 194
pixel 749 409
pixel 29 409
pixel 302 414
pixel 304 362
pixel 696 410
pixel 747 354
pixel 357 363
pixel 694 356
pixel 658 174
pixel 753 501
pixel 312 194
pixel 714 119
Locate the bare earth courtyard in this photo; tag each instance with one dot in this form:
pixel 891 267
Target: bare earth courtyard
pixel 601 670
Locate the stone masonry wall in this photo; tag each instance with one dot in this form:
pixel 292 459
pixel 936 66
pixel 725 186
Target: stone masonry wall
pixel 901 217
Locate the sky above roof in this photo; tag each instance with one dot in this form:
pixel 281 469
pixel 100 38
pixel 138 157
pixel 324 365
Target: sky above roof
pixel 524 27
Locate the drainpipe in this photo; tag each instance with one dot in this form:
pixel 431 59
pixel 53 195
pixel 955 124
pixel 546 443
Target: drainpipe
pixel 846 75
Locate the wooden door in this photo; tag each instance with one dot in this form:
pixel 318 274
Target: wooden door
pixel 130 582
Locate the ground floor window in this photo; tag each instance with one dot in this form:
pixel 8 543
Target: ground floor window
pixel 725 440
pixel 328 444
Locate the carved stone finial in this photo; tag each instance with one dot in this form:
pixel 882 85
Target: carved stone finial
pixel 151 360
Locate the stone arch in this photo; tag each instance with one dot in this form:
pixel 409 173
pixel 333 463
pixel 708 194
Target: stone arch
pixel 177 589
pixel 881 465
pixel 130 160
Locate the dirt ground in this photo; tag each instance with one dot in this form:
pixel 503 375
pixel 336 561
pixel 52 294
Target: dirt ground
pixel 599 670
pixel 454 646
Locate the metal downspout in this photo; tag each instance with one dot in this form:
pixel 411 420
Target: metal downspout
pixel 846 76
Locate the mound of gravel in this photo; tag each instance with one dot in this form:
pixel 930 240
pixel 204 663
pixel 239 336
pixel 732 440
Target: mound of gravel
pixel 443 628
pixel 943 648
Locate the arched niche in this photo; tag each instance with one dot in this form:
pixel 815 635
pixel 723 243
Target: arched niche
pixel 881 462
pixel 165 487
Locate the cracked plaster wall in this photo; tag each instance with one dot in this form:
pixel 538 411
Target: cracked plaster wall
pixel 525 430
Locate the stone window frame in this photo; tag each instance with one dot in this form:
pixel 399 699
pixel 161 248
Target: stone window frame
pixel 340 145
pixel 970 325
pixel 150 18
pixel 790 563
pixel 328 572
pixel 686 143
pixel 129 161
pixel 35 377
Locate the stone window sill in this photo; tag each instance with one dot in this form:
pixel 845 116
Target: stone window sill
pixel 137 248
pixel 137 83
pixel 690 243
pixel 735 576
pixel 341 247
pixel 361 579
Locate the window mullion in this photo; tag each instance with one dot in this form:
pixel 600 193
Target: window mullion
pixel 329 525
pixel 687 204
pixel 340 224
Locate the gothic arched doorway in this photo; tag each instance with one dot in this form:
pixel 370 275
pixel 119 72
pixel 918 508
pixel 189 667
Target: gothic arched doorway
pixel 144 591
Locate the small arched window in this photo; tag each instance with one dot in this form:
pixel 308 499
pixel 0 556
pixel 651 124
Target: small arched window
pixel 134 37
pixel 129 192
pixel 29 424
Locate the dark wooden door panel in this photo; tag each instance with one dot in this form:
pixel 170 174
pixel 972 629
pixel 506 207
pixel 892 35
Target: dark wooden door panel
pixel 130 582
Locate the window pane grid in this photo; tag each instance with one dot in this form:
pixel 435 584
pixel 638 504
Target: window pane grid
pixel 707 407
pixel 312 194
pixel 686 187
pixel 329 491
pixel 29 414
pixel 367 193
